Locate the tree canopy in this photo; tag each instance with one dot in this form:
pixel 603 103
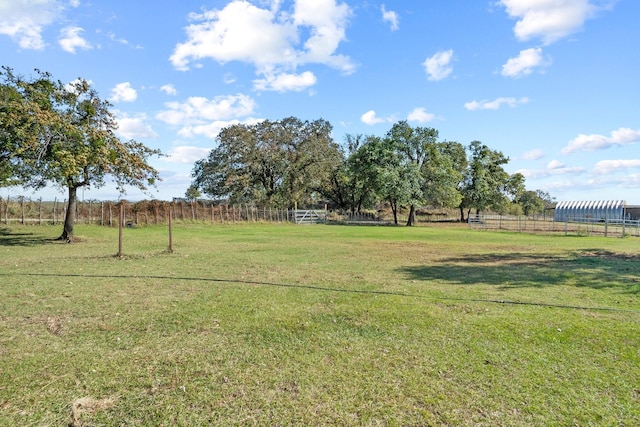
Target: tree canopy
pixel 280 163
pixel 64 134
pixel 292 162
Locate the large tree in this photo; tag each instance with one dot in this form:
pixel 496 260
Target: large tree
pixel 277 163
pixel 64 134
pixel 486 184
pixel 434 164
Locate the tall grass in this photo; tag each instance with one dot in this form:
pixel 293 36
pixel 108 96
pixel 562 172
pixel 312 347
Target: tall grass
pixel 318 325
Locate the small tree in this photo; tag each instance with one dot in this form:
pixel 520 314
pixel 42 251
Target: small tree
pixel 64 134
pixel 192 194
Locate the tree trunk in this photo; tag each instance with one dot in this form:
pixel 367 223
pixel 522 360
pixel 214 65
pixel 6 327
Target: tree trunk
pixel 461 214
pixel 412 216
pixel 394 209
pixel 67 232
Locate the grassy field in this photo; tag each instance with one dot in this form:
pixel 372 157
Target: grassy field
pixel 318 325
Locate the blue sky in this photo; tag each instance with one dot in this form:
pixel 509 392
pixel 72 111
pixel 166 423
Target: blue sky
pixel 553 84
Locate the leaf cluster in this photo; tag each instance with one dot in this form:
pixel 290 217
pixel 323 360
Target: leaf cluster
pixel 279 163
pixel 64 134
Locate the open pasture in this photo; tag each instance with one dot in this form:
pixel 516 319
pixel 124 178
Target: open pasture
pixel 278 324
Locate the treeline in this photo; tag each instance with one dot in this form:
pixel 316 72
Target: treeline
pixel 290 162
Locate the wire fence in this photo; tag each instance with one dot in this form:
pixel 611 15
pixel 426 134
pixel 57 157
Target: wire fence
pixel 22 210
pixel 570 226
pixel 25 211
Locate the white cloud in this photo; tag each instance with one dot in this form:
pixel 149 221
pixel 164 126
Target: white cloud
pixel 25 20
pixel 123 92
pixel 548 20
pixel 169 89
pixel 202 116
pixel 186 154
pixel 117 39
pixel 391 17
pixel 438 66
pixel 611 166
pixel 535 154
pixel 212 129
pixel 555 165
pixel 554 168
pixel 76 84
pixel 286 82
pixel 70 40
pixel 134 127
pixel 524 63
pixel 495 104
pixel 270 39
pixel 619 137
pixel 371 118
pixel 420 115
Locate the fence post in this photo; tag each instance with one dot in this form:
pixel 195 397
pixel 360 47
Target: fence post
pixel 170 231
pixel 120 221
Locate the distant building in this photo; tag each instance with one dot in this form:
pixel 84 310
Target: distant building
pixel 590 211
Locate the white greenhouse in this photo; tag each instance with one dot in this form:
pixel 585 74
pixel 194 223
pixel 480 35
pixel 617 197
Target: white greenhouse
pixel 590 211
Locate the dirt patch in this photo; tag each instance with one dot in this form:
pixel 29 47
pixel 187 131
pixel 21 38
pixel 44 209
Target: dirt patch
pixel 54 325
pixel 87 405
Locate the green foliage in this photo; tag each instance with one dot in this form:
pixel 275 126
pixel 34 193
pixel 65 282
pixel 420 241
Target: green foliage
pixel 486 184
pixel 287 162
pixel 277 163
pixel 65 135
pixel 192 193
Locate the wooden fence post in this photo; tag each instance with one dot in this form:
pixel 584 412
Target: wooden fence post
pixel 120 221
pixel 170 231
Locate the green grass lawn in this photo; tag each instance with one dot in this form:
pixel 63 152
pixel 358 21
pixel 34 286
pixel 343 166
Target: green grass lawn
pixel 318 325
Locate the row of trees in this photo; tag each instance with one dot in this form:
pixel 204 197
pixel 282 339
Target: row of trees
pixel 293 162
pixel 64 134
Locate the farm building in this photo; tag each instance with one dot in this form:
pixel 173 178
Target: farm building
pixel 594 211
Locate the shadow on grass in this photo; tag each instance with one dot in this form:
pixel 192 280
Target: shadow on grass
pixel 319 288
pixel 591 268
pixel 9 238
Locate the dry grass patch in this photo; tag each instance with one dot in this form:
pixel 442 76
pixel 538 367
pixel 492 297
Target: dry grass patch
pixel 87 405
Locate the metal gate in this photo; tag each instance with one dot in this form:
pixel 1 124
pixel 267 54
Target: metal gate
pixel 310 216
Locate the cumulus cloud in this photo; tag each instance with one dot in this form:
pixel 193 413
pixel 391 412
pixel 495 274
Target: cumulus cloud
pixel 420 115
pixel 134 127
pixel 169 89
pixel 391 17
pixel 25 20
pixel 186 154
pixel 371 118
pixel 495 104
pixel 70 40
pixel 619 137
pixel 535 154
pixel 548 20
pixel 612 166
pixel 202 116
pixel 525 63
pixel 286 82
pixel 554 168
pixel 438 66
pixel 275 41
pixel 123 92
